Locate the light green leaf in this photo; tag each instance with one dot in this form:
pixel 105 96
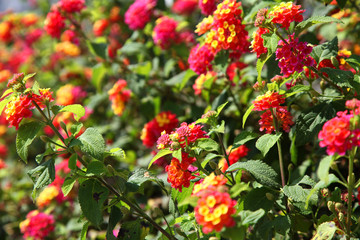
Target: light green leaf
pixel 3 103
pixel 271 42
pixel 68 185
pixel 207 144
pixel 161 153
pixel 220 108
pixel 325 231
pixel 25 136
pixel 266 142
pixel 84 231
pixel 132 48
pixel 250 217
pixel 260 64
pixel 324 167
pixel 299 194
pixel 247 113
pixel 98 73
pixel 76 109
pixel 8 91
pixel 262 172
pixel 92 143
pixel 325 50
pixel 313 21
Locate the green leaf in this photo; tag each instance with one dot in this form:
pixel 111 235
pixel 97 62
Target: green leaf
pixel 266 142
pixel 260 64
pixel 130 230
pixel 92 143
pixel 41 156
pixel 3 103
pixel 325 231
pixel 161 153
pixel 177 154
pixel 321 184
pixel 25 136
pixel 207 144
pixel 97 49
pixel 297 89
pixel 246 114
pixel 76 109
pixel 132 48
pixel 28 76
pixel 325 50
pixel 293 150
pixel 271 42
pixel 220 108
pixel 68 185
pixel 299 194
pixel 35 88
pixel 143 68
pixel 209 157
pixel 6 93
pixel 75 128
pixel 188 75
pixel 324 167
pixel 256 199
pixel 98 73
pixel 313 21
pixel 72 161
pixel 115 216
pixel 354 62
pixel 250 217
pixel 43 174
pixel 341 78
pixel 310 122
pixel 96 167
pixel 141 175
pixel 243 138
pixel 220 128
pixel 179 197
pixel 84 231
pixel 91 198
pixel 117 152
pixel 262 172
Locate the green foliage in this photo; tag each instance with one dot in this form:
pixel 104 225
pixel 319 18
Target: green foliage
pixel 266 142
pixel 42 175
pixel 76 109
pixel 92 143
pixel 325 50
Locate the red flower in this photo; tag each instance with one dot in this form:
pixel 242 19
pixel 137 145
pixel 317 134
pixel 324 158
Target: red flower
pixel 286 13
pixel 17 109
pixel 72 6
pixel 54 24
pixel 257 43
pixel 337 136
pixel 186 134
pixel 100 26
pixel 214 211
pixel 234 68
pixel 5 31
pixel 178 174
pixel 293 56
pixel 284 120
pixel 45 96
pixel 37 225
pixel 268 100
pixel 200 59
pixel 139 13
pixel 69 94
pixel 164 33
pixel 184 7
pixel 207 6
pixel 163 122
pixel 2 164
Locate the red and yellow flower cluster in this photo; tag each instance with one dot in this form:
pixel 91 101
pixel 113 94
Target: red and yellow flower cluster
pixel 207 7
pixel 200 58
pixel 37 225
pixel 179 173
pixel 341 133
pixel 200 80
pixel 163 122
pixel 270 103
pixel 286 13
pixel 164 33
pixel 118 95
pixel 215 207
pixel 234 156
pixel 69 94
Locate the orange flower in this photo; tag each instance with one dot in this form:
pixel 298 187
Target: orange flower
pixel 119 96
pixel 178 174
pixel 268 100
pixel 17 109
pixel 286 13
pixel 210 182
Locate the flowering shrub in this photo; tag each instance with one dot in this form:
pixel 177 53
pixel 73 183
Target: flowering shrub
pixel 186 119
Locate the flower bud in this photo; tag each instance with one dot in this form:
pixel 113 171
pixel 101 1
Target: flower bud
pixel 290 167
pixel 331 206
pixel 270 196
pixel 339 207
pixel 322 85
pixel 341 217
pixel 175 145
pixel 17 78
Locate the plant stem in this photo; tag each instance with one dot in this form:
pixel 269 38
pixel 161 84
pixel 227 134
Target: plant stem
pixel 226 156
pixel 235 102
pixel 351 182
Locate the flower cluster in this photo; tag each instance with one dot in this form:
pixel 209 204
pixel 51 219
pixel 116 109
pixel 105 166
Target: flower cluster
pixel 227 31
pixel 270 102
pixel 257 44
pixel 286 13
pixel 37 225
pixel 54 24
pixel 118 95
pixel 338 135
pixel 215 207
pixel 293 56
pixel 283 117
pixel 5 31
pixel 139 13
pixel 179 174
pixel 200 80
pixel 68 49
pixel 184 136
pixel 163 122
pixel 72 6
pixel 200 58
pixel 207 6
pixel 184 7
pixel 69 94
pixel 233 157
pixel 164 33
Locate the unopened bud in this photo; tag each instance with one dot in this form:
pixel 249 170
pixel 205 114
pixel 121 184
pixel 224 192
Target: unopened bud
pixel 339 207
pixel 270 196
pixel 322 85
pixel 314 100
pixel 290 167
pixel 331 206
pixel 334 61
pixel 325 192
pixel 334 166
pixel 341 217
pixel 213 165
pixel 44 138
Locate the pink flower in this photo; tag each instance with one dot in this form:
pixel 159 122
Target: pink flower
pixel 54 24
pixel 200 59
pixel 72 6
pixel 37 225
pixel 164 33
pixel 184 7
pixel 139 13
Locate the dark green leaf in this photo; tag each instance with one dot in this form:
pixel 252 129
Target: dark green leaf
pixel 43 174
pixel 243 138
pixel 72 161
pixel 115 217
pixel 130 230
pixel 91 198
pixel 250 217
pixel 92 143
pixel 68 185
pixel 313 21
pixel 262 172
pixel 266 142
pixel 256 199
pixel 25 136
pixel 98 49
pixel 141 176
pixel 325 50
pixel 96 167
pixel 299 194
pixel 342 78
